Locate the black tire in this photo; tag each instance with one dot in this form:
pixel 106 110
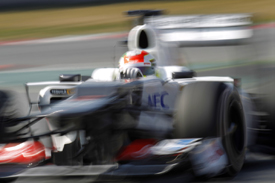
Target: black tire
pixel 211 109
pixel 8 180
pixel 10 108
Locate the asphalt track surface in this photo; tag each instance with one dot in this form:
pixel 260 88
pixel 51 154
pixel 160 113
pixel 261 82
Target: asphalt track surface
pixel 36 62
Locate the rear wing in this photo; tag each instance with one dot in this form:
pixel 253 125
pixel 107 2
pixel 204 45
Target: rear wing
pixel 199 21
pixel 196 29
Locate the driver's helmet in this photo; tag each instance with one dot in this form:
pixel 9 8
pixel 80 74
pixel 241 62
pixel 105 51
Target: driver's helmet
pixel 137 63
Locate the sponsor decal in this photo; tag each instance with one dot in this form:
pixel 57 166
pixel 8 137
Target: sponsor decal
pixel 70 91
pixel 157 100
pixel 62 91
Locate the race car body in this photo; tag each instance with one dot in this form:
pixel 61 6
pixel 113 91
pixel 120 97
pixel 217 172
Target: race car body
pixel 143 126
pixel 138 123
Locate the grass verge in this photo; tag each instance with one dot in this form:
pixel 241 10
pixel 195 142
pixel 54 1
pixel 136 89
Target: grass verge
pixel 108 18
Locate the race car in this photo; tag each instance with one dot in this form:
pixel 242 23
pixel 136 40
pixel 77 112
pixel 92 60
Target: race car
pixel 143 124
pixel 130 121
pixel 139 125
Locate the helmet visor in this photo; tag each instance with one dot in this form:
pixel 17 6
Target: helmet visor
pixel 147 70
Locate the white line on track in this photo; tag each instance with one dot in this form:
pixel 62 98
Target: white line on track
pixel 63 39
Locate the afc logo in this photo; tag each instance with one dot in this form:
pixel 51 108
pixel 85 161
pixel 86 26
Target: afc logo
pixel 156 100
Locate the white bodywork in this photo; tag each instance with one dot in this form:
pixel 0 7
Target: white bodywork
pixel 165 53
pixel 44 98
pixel 105 74
pixel 45 94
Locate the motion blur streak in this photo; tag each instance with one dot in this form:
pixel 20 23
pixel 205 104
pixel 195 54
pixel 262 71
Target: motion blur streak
pixel 178 125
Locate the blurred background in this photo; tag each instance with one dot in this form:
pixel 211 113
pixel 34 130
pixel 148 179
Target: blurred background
pixel 39 40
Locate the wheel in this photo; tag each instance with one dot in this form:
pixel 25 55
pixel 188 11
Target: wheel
pixel 213 109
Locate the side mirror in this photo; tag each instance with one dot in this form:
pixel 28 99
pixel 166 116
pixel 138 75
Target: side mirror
pixel 69 77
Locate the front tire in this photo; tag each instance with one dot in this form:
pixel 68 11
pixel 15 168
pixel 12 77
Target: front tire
pixel 210 110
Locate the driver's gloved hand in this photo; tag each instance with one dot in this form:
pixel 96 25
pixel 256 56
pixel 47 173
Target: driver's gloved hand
pixel 130 73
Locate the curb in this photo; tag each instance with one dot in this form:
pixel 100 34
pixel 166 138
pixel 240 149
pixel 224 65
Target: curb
pixel 264 26
pixel 2 67
pixel 63 39
pixel 8 67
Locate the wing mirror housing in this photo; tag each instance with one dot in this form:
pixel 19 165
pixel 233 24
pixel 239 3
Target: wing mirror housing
pixel 70 77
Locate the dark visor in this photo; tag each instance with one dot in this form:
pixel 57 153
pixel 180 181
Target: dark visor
pixel 147 70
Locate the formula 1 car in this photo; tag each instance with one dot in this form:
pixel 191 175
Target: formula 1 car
pixel 136 127
pixel 146 126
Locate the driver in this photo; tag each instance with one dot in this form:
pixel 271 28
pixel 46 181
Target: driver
pixel 136 64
